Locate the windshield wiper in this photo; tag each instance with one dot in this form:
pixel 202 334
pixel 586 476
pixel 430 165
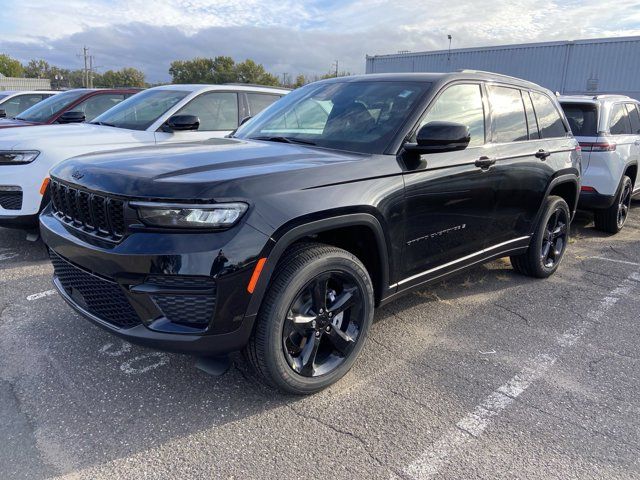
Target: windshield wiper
pixel 283 140
pixel 104 124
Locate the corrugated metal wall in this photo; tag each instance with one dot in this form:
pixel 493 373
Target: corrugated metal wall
pixel 10 83
pixel 609 65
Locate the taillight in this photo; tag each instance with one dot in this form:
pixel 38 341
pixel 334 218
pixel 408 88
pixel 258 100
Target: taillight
pixel 598 146
pixel 584 188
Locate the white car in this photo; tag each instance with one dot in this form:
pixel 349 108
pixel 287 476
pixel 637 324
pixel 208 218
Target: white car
pixel 167 114
pixel 14 102
pixel 608 129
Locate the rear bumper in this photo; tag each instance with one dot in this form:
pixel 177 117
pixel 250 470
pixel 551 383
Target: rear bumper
pixel 595 201
pixel 183 293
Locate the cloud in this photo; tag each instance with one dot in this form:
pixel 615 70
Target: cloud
pixel 291 36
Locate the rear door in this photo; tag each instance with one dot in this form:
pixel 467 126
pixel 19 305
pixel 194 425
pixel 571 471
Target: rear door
pixel 449 199
pixel 625 142
pixel 532 144
pixel 634 120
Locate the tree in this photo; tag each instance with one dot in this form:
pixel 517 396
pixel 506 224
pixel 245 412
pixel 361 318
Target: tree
pixel 10 67
pixel 198 70
pixel 224 70
pixel 37 69
pixel 252 72
pixel 300 81
pixel 125 77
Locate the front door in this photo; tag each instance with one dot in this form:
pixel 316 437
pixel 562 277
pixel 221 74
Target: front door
pixel 450 197
pixel 218 113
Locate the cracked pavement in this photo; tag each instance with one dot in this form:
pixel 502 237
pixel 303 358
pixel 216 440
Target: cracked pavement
pixel 76 402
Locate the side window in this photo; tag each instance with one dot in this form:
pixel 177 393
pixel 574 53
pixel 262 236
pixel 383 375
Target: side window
pixel 20 103
pixel 460 104
pixel 634 118
pixel 532 123
pixel 260 101
pixel 619 120
pixel 216 111
pixel 549 119
pixel 507 111
pixel 98 104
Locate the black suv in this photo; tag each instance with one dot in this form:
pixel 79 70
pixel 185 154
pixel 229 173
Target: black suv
pixel 338 198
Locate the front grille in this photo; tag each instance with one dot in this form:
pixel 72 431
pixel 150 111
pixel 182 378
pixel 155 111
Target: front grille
pixel 94 213
pixel 188 309
pixel 11 200
pixel 101 297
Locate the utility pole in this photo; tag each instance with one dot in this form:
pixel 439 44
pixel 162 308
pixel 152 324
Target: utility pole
pixel 85 72
pixel 336 68
pixel 449 52
pixel 284 78
pixel 90 71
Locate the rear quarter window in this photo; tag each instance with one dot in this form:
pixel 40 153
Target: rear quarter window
pixel 582 118
pixel 634 118
pixel 549 120
pixel 619 120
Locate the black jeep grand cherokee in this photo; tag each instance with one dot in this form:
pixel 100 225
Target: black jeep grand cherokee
pixel 340 197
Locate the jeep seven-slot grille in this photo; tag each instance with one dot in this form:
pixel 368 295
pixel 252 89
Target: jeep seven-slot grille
pixel 100 297
pixel 92 212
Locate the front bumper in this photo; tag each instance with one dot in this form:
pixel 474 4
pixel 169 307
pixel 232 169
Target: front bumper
pixel 27 180
pixel 180 292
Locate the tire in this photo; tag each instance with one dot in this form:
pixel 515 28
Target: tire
pixel 612 219
pixel 291 328
pixel 548 243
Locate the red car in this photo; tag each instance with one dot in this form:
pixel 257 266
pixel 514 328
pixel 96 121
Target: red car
pixel 73 106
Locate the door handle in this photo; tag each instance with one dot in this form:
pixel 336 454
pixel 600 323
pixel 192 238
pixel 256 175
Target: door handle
pixel 542 154
pixel 485 162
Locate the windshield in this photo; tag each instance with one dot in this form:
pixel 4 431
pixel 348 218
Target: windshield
pixel 357 116
pixel 142 110
pixel 43 111
pixel 3 96
pixel 582 118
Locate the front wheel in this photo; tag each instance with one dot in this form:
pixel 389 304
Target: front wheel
pixel 314 319
pixel 548 243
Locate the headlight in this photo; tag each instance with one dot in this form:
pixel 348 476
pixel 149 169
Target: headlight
pixel 16 157
pixel 219 215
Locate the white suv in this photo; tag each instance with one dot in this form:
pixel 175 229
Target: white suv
pixel 160 115
pixel 608 129
pixel 14 102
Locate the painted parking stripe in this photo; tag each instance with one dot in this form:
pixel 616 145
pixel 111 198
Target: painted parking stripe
pixel 472 425
pixel 8 255
pixel 38 296
pixel 624 262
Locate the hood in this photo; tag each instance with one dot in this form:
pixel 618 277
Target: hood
pixel 67 136
pixel 12 122
pixel 210 169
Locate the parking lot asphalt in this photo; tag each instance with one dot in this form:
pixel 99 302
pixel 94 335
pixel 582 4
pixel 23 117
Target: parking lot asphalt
pixel 487 375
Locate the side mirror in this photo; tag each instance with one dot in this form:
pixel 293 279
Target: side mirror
pixel 183 123
pixel 72 117
pixel 437 137
pixel 3 113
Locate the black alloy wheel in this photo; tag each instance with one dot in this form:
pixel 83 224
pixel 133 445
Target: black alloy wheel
pixel 323 324
pixel 624 204
pixel 555 238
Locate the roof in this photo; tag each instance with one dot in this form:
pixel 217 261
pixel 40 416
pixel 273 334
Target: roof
pixel 202 87
pixel 28 92
pixel 437 77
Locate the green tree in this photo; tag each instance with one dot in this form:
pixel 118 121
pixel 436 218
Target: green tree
pixel 125 77
pixel 224 70
pixel 37 69
pixel 10 67
pixel 197 70
pixel 300 81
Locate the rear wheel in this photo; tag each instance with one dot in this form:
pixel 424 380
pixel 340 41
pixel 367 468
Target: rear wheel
pixel 548 243
pixel 313 321
pixel 612 219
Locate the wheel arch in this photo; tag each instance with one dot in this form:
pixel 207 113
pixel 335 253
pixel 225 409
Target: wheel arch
pixel 322 230
pixel 631 171
pixel 566 186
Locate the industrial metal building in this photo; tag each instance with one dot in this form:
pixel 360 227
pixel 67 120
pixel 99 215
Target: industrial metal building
pixel 605 65
pixel 12 83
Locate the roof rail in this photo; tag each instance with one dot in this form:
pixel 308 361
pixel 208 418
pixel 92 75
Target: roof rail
pixel 610 95
pixel 471 70
pixel 240 84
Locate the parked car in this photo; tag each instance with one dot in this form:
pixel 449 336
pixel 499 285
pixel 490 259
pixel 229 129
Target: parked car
pixel 608 129
pixel 341 197
pixel 14 102
pixel 167 114
pixel 72 106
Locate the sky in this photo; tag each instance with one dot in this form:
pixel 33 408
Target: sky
pixel 289 36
